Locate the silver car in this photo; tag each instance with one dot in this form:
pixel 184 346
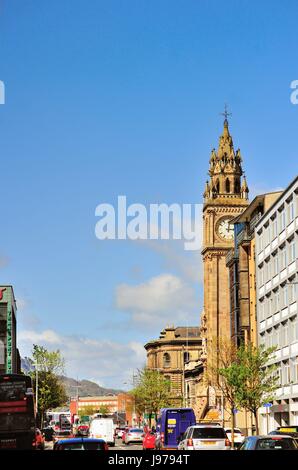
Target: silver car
pixel 238 436
pixel 134 435
pixel 204 437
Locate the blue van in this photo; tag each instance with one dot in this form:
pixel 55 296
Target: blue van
pixel 171 425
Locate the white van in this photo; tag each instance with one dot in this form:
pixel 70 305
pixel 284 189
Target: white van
pixel 102 428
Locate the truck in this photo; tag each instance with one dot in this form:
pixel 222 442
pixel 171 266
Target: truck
pixel 171 424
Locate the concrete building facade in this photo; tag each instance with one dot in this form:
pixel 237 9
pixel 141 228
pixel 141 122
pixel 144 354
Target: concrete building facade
pixel 277 311
pixel 242 268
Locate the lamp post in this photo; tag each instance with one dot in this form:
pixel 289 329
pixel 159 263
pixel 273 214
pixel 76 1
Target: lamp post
pixel 36 365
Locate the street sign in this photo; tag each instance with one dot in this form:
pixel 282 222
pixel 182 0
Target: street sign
pixel 268 405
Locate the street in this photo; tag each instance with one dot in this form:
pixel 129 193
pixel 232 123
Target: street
pixel 119 446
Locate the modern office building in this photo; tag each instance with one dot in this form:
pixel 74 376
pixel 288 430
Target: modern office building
pixel 277 312
pixel 242 269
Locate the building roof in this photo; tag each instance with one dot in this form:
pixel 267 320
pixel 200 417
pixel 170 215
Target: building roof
pixel 282 193
pixel 180 334
pixel 255 203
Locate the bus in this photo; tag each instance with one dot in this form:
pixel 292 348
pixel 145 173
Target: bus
pixel 17 414
pixel 171 424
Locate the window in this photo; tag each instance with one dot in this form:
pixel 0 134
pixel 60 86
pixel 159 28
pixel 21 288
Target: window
pixel 274 228
pixel 292 289
pixel 285 298
pixel 228 185
pixel 262 310
pixel 285 372
pixel 283 257
pixel 282 220
pixel 291 211
pixel 293 330
pixel 295 370
pixel 261 245
pixel 292 250
pixel 275 305
pixel 285 334
pixel 275 264
pixel 276 336
pixel 269 338
pixel 265 236
pixel 166 360
pixel 186 356
pixel 261 275
pixel 277 373
pixel 267 271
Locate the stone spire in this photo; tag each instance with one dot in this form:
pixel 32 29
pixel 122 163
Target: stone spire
pixel 225 169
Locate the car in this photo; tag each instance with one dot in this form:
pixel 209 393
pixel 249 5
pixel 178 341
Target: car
pixel 81 443
pixel 238 436
pixel 82 430
pixel 280 431
pixel 205 437
pixel 39 443
pixel 269 442
pixel 133 435
pixel 149 440
pixel 60 435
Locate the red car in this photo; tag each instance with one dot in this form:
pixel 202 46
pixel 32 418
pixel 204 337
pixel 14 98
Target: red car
pixel 83 430
pixel 149 440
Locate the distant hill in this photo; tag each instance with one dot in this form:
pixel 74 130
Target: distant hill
pixel 26 365
pixel 86 387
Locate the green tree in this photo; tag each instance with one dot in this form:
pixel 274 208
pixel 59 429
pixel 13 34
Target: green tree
pixel 104 410
pixel 257 381
pixel 48 368
pixel 224 377
pixel 249 379
pixel 151 393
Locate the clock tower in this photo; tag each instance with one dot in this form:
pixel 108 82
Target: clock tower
pixel 225 197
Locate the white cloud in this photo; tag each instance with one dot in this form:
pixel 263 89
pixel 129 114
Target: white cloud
pixel 107 362
pixel 162 299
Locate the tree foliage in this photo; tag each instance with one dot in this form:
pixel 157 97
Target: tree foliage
pixel 224 377
pixel 152 392
pixel 257 382
pixel 251 377
pixel 48 366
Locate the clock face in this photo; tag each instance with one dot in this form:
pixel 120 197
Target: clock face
pixel 226 229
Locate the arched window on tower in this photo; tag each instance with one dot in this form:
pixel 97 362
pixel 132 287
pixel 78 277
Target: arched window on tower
pixel 166 360
pixel 228 185
pixel 237 186
pixel 217 186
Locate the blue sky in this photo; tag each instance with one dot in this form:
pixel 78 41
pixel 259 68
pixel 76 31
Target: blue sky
pixel 114 97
